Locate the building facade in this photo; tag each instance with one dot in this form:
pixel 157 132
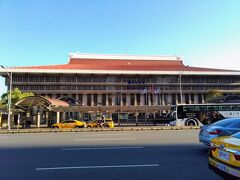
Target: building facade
pixel 124 80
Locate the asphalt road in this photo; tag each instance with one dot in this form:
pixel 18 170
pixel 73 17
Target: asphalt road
pixel 164 155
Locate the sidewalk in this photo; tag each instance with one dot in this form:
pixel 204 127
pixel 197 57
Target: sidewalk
pixel 132 128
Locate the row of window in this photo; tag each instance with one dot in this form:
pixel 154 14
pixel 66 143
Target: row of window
pixel 205 108
pixel 129 79
pixel 140 88
pixel 134 99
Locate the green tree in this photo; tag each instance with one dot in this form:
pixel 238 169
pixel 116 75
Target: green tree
pixel 16 95
pixel 212 94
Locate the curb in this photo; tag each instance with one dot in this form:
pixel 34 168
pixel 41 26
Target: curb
pixel 15 131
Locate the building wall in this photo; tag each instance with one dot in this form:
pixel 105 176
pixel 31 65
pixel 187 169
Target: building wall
pixel 95 89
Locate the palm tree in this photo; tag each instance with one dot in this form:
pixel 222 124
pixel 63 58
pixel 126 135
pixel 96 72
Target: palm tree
pixel 212 94
pixel 16 96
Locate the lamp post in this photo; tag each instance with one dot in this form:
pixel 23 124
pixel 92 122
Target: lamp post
pixel 9 96
pixel 180 85
pixel 118 104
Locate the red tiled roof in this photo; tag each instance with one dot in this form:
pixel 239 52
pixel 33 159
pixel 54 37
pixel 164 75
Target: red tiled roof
pixel 40 101
pixel 122 65
pixel 57 102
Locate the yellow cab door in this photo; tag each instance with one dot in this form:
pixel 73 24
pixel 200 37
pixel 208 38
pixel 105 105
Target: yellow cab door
pixel 63 124
pixel 71 124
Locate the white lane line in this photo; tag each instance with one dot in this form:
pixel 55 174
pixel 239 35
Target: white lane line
pixel 102 148
pixel 106 134
pixel 3 137
pixel 108 139
pixel 97 167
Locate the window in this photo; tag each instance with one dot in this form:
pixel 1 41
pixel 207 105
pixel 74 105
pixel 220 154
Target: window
pixel 89 99
pixel 99 79
pixel 173 99
pixel 132 99
pixel 104 99
pixel 124 99
pixel 118 99
pixel 95 99
pixel 186 98
pixel 84 78
pixel 110 99
pixel 199 98
pixel 138 99
pixel 179 98
pixel 192 98
pixel 151 99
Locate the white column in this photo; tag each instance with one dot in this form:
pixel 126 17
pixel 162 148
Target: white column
pixel 155 99
pixel 58 117
pixel 203 101
pixel 46 116
pixel 113 99
pixel 135 99
pixel 128 99
pixel 121 99
pixel 162 99
pixel 107 100
pixel 38 120
pixel 80 116
pixel 142 98
pixel 196 99
pixel 84 99
pixel 190 99
pixel 92 100
pixel 176 98
pixel 183 99
pixel 99 99
pixel 149 99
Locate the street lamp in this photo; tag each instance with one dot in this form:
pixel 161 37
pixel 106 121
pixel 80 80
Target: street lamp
pixel 9 96
pixel 180 85
pixel 118 104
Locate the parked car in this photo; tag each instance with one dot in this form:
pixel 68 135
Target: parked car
pixel 224 156
pixel 223 127
pixel 101 123
pixel 70 124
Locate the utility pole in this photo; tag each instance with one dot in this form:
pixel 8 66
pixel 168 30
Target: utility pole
pixel 9 96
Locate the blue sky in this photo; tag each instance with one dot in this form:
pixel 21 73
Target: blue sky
pixel 204 33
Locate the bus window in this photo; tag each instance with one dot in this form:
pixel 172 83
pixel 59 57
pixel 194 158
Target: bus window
pixel 205 113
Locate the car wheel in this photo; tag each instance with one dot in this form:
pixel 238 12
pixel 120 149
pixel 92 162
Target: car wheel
pixel 89 126
pixel 106 125
pixel 56 127
pixel 191 123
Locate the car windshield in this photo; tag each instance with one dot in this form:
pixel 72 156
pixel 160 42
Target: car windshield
pixel 237 135
pixel 225 122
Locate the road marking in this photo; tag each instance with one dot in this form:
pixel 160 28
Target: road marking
pixel 3 137
pixel 103 148
pixel 98 167
pixel 106 134
pixel 109 139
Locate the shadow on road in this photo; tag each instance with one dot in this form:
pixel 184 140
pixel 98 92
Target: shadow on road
pixel 178 161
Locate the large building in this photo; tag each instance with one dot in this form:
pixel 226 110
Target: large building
pixel 126 82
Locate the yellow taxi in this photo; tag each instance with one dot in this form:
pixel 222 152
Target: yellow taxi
pixel 70 124
pixel 224 156
pixel 100 123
